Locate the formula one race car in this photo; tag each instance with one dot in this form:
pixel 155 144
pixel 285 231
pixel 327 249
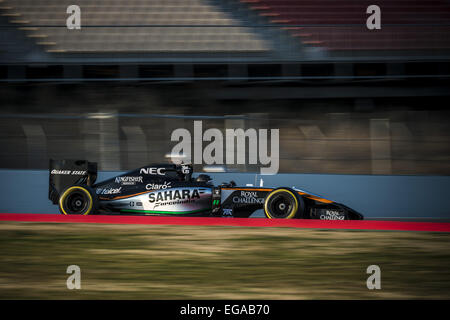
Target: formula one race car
pixel 170 189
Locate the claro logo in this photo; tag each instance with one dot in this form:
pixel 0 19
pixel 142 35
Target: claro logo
pixel 159 171
pixel 155 186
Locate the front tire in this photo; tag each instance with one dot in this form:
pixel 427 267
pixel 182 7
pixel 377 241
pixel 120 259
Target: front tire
pixel 79 199
pixel 283 203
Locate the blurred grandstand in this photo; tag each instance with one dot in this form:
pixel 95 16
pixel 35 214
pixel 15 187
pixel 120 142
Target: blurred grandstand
pixel 222 30
pixel 346 99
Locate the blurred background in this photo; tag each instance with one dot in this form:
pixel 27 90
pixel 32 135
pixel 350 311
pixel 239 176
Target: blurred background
pixel 346 99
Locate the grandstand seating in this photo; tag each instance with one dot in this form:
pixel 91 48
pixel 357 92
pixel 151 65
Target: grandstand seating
pixel 207 26
pixel 180 14
pixel 406 24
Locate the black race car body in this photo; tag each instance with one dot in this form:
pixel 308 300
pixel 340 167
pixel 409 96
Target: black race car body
pixel 170 189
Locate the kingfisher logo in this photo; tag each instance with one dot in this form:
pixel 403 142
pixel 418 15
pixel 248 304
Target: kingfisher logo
pixel 128 180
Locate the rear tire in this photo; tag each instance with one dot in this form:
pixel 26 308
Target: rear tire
pixel 79 199
pixel 283 203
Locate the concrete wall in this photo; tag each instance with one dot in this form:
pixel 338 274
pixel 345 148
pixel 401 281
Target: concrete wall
pixel 26 191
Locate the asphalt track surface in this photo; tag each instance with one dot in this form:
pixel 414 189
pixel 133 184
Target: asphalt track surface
pixel 238 222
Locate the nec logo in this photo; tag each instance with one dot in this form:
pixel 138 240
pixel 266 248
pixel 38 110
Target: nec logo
pixel 160 171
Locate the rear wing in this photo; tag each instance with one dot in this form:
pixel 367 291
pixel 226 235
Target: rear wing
pixel 65 173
